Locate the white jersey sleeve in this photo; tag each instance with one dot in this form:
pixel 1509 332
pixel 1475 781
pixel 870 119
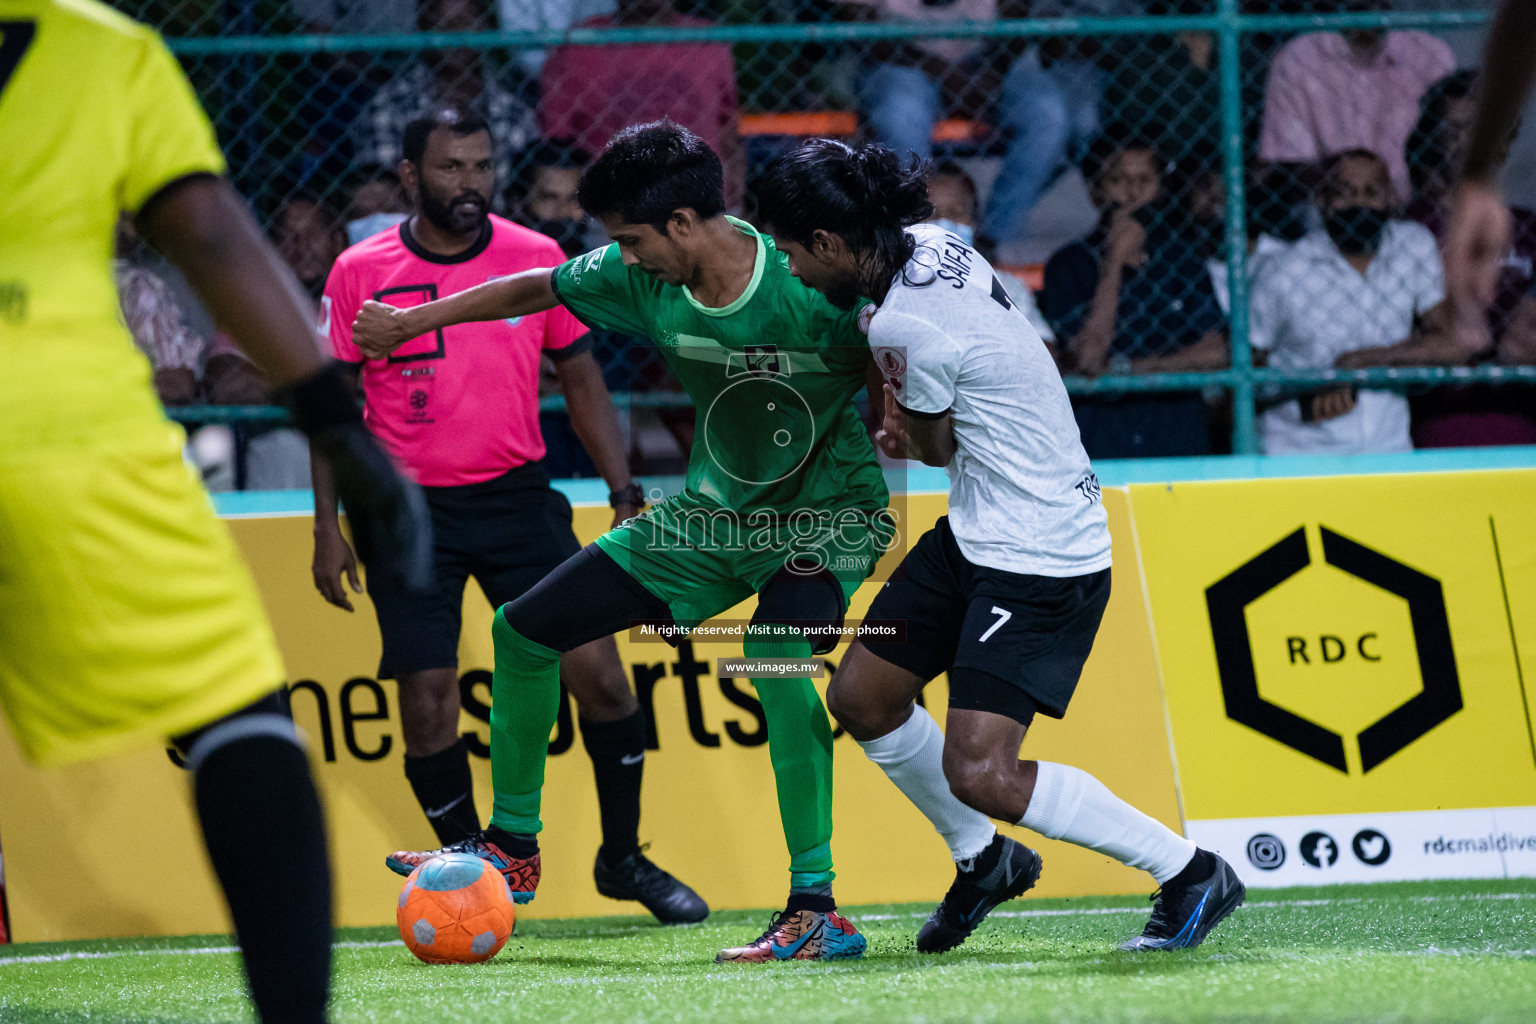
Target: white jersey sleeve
pixel 925 361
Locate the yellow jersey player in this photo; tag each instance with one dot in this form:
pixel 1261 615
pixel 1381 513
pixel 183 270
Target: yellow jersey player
pixel 125 614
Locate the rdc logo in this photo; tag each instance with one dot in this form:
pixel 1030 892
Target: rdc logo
pixel 1266 852
pixel 1439 697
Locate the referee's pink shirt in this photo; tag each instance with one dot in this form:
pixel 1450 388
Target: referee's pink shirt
pixel 462 405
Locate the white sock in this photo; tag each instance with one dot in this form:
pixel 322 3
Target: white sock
pixel 912 756
pixel 1072 805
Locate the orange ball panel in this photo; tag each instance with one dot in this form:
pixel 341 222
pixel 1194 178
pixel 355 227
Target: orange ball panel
pixel 465 925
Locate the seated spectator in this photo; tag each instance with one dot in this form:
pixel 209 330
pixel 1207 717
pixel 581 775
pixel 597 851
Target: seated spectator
pixel 1332 91
pixel 375 202
pixel 543 196
pixel 907 86
pixel 1134 297
pixel 455 77
pixel 1366 290
pixel 542 16
pixel 953 194
pixel 188 370
pixel 1460 415
pixel 590 92
pixel 309 237
pixel 155 321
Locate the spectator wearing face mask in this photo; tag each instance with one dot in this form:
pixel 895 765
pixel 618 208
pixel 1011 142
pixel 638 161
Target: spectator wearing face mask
pixel 953 194
pixel 375 203
pixel 1366 290
pixel 543 195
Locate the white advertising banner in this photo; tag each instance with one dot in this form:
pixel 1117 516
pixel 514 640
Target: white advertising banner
pixel 1398 846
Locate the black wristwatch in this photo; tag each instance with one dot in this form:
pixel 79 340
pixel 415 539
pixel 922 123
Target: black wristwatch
pixel 634 495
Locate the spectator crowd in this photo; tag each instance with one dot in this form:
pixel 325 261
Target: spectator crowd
pixel 1354 139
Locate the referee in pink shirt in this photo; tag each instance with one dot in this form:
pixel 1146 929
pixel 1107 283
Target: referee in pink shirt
pixel 459 409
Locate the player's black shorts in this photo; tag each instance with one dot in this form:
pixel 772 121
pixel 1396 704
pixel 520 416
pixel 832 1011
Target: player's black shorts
pixel 1012 644
pixel 507 532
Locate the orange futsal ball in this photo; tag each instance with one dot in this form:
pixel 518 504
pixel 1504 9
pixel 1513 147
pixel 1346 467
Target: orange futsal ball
pixel 455 909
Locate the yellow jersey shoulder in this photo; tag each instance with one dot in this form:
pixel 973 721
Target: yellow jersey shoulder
pixel 97 117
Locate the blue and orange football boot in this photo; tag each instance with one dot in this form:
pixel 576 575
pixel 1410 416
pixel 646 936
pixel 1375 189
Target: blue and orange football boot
pixel 800 935
pixel 521 873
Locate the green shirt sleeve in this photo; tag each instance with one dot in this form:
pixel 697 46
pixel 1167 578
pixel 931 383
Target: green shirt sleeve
pixel 603 293
pixel 846 346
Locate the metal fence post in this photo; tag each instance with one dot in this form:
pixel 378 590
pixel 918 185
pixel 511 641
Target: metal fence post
pixel 1245 439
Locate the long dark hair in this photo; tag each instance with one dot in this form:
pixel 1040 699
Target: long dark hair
pixel 865 195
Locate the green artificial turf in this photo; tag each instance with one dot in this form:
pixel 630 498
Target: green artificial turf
pixel 1447 951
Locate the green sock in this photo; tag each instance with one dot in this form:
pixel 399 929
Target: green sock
pixel 800 748
pixel 525 699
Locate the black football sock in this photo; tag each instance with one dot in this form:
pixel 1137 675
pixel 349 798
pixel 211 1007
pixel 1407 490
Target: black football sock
pixel 617 750
pixel 983 863
pixel 820 902
pixel 266 838
pixel 515 844
pixel 446 792
pixel 1200 867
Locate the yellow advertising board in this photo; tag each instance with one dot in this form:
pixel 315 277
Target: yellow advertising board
pixel 1341 659
pixel 110 848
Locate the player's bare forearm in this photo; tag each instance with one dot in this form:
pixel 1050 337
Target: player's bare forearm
pixel 380 329
pixel 1509 66
pixel 334 560
pixel 594 417
pixel 931 441
pixel 204 228
pixel 327 508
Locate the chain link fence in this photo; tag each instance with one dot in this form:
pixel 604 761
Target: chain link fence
pixel 1223 216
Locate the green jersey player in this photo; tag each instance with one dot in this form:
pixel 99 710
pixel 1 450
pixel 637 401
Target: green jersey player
pixel 784 497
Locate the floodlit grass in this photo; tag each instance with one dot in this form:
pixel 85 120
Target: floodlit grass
pixel 1449 951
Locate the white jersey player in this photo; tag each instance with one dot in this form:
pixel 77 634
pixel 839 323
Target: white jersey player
pixel 1005 593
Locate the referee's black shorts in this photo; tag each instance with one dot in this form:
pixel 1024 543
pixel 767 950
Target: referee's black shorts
pixel 1013 644
pixel 507 532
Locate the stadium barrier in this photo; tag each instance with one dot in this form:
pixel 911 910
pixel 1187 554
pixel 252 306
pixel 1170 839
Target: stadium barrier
pixel 1336 675
pixel 1341 659
pixel 710 810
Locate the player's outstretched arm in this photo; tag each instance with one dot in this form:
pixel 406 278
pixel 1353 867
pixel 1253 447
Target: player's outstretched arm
pixel 380 329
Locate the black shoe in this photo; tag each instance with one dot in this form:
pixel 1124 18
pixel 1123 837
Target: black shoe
pixel 1182 916
pixel 636 878
pixel 970 900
